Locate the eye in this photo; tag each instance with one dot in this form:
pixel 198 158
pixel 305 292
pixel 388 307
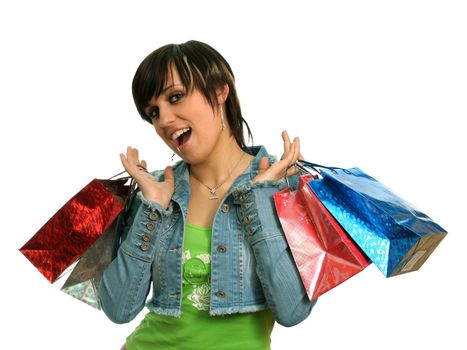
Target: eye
pixel 153 112
pixel 175 97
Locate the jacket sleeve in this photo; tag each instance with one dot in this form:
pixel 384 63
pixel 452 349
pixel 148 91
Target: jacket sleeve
pixel 126 282
pixel 282 285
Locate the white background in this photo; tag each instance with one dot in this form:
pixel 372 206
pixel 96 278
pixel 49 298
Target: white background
pixel 378 85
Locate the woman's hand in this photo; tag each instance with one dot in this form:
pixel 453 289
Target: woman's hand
pixel 277 170
pixel 160 192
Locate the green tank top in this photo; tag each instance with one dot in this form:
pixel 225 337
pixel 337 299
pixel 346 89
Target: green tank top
pixel 196 329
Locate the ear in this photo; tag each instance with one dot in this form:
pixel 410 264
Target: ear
pixel 222 94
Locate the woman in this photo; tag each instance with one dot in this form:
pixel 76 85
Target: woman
pixel 205 231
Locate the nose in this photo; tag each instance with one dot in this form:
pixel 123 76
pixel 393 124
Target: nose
pixel 166 116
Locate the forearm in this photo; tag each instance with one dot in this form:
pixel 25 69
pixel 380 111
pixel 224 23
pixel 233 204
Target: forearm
pixel 275 267
pixel 125 283
pixel 124 287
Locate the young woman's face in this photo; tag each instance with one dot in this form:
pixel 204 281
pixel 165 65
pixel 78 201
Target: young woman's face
pixel 185 122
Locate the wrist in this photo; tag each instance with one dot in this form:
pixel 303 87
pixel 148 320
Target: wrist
pixel 256 210
pixel 154 201
pixel 153 198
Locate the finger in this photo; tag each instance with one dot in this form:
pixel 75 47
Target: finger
pixel 287 167
pixel 136 156
pixel 299 158
pixel 263 165
pixel 294 150
pixel 132 156
pixel 297 155
pixel 285 137
pixel 144 164
pixel 125 163
pixel 286 161
pixel 129 154
pixel 297 150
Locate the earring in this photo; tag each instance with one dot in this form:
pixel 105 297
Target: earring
pixel 172 158
pixel 222 119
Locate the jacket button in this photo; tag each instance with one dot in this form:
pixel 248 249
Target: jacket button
pixel 221 249
pixel 146 238
pixel 144 246
pixel 220 293
pixel 151 225
pixel 248 219
pixel 251 230
pixel 225 208
pixel 153 215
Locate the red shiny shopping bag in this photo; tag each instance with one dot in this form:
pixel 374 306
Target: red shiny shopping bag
pixel 76 226
pixel 323 252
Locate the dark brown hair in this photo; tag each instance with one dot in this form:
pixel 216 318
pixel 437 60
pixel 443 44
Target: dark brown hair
pixel 200 67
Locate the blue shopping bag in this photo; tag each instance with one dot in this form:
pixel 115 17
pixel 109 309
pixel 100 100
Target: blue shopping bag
pixel 396 236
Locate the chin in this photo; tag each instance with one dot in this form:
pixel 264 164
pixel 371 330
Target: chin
pixel 193 159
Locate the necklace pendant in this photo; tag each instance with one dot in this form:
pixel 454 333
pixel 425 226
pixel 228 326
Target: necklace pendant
pixel 213 193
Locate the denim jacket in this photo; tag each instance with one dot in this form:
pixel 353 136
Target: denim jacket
pixel 251 264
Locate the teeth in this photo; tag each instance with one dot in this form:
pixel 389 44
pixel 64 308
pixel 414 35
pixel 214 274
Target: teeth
pixel 177 134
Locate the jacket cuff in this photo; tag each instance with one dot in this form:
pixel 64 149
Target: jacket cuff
pixel 257 211
pixel 150 219
pixel 154 206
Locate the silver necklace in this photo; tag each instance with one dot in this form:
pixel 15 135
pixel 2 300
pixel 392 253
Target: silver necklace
pixel 213 190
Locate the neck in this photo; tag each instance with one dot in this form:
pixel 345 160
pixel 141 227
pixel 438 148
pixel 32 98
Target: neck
pixel 225 162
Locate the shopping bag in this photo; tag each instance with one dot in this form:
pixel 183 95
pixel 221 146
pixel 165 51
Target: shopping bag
pixel 76 226
pixel 324 254
pixel 83 282
pixel 396 236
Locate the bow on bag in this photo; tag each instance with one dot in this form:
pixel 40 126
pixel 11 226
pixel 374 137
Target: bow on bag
pixel 77 225
pixel 396 236
pixel 324 254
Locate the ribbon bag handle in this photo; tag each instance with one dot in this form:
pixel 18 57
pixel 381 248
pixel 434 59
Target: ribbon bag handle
pixel 303 165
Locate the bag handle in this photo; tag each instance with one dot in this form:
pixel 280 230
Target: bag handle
pixel 316 167
pixel 133 186
pixel 302 168
pixel 125 177
pixel 304 165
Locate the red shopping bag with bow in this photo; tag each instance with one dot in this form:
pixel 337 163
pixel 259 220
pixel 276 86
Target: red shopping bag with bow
pixel 324 254
pixel 76 226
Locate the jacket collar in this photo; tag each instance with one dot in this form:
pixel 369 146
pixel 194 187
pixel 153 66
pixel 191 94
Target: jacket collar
pixel 182 177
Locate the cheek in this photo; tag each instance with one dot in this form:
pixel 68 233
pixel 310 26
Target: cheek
pixel 159 132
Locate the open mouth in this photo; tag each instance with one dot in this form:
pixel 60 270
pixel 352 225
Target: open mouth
pixel 183 137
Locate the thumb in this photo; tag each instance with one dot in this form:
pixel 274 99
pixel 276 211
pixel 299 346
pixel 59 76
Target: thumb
pixel 263 165
pixel 169 175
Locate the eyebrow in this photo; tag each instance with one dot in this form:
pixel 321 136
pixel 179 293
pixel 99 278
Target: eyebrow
pixel 170 86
